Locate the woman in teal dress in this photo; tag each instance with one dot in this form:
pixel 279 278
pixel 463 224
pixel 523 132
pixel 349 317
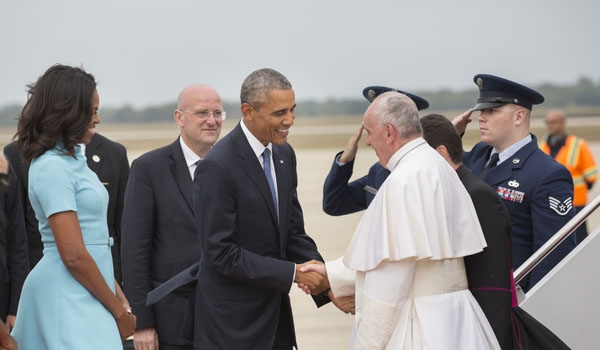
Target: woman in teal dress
pixel 69 300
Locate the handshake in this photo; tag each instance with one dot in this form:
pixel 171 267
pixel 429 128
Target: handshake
pixel 311 277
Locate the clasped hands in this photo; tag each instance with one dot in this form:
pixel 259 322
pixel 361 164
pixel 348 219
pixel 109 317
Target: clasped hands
pixel 311 280
pixel 311 277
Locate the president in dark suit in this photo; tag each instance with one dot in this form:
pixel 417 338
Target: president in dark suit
pixel 159 236
pixel 108 159
pixel 251 226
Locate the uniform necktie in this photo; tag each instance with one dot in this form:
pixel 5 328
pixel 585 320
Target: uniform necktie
pixel 267 166
pixel 491 164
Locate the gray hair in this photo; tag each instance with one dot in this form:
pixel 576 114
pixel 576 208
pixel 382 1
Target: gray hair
pixel 400 111
pixel 258 83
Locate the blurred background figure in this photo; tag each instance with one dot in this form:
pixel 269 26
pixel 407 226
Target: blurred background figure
pixel 575 154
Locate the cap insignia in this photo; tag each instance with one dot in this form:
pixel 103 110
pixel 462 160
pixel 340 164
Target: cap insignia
pixel 480 83
pixel 371 95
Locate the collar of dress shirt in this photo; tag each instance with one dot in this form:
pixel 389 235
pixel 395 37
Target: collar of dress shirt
pixel 190 157
pixel 256 145
pixel 510 151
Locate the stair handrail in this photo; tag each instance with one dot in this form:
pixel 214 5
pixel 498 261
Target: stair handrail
pixel 555 240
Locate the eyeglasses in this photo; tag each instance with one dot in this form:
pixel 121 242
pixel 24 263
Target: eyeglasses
pixel 204 114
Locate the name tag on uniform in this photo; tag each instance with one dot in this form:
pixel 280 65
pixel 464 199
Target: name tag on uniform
pixel 370 189
pixel 510 194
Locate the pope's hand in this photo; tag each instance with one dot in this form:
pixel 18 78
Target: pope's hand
pixel 345 304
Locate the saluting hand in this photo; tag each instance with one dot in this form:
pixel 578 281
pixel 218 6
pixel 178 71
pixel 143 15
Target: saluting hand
pixel 460 122
pixel 351 147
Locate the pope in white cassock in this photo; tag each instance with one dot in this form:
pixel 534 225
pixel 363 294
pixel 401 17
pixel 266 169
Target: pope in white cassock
pixel 405 260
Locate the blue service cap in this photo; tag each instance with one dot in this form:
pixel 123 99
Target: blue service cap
pixel 495 91
pixel 371 92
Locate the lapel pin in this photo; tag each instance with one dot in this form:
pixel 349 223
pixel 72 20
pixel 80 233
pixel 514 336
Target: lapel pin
pixel 281 161
pixel 513 183
pixel 95 158
pixel 516 160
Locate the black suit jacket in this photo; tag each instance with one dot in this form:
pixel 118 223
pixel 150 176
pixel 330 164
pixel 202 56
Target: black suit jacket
pixel 248 255
pixel 108 160
pixel 159 237
pixel 489 272
pixel 21 168
pixel 14 263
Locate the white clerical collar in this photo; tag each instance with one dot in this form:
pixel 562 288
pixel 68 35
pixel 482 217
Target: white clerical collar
pixel 510 151
pixel 256 145
pixel 404 150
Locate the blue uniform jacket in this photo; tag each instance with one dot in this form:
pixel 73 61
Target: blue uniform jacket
pixel 341 197
pixel 538 192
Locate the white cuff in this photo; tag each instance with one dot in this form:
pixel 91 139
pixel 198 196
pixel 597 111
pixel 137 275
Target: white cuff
pixel 341 279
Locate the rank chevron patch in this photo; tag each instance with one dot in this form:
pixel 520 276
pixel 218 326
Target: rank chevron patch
pixel 561 208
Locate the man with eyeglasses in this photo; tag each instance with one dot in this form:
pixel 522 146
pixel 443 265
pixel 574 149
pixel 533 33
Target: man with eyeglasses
pixel 159 235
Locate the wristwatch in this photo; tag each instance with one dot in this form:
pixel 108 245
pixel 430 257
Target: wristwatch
pixel 4 181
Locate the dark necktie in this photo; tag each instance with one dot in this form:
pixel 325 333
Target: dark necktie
pixel 196 170
pixel 267 165
pixel 491 164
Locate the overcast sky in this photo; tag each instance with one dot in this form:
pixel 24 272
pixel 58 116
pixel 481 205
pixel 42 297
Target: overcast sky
pixel 143 52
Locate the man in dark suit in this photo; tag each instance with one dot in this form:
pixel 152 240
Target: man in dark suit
pixel 14 263
pixel 537 190
pixel 159 235
pixel 251 226
pixel 489 272
pixel 6 340
pixel 342 196
pixel 21 169
pixel 108 159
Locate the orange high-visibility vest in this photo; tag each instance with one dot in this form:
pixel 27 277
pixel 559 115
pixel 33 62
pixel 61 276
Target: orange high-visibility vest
pixel 577 157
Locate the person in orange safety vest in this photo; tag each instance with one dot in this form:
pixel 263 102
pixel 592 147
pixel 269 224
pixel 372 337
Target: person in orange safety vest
pixel 574 153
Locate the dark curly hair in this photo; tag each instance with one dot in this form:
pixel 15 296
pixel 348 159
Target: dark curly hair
pixel 58 109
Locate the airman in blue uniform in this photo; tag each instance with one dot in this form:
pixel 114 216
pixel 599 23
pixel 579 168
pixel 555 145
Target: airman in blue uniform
pixel 537 190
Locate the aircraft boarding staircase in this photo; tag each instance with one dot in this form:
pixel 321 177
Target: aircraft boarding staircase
pixel 567 299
